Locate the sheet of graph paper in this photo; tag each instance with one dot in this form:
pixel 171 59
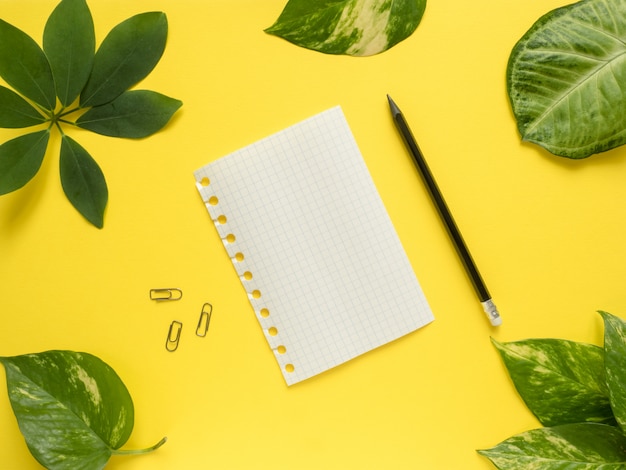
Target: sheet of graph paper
pixel 314 247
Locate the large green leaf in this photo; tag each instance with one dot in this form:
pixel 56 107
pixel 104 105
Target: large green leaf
pixel 134 114
pixel 20 159
pixel 352 27
pixel 16 112
pixel 72 408
pixel 128 53
pixel 560 381
pixel 582 446
pixel 83 181
pixel 69 43
pixel 25 67
pixel 615 364
pixel 565 79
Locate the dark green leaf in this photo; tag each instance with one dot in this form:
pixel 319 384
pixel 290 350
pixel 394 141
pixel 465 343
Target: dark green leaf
pixel 133 114
pixel 83 181
pixel 16 112
pixel 20 159
pixel 560 381
pixel 24 66
pixel 352 27
pixel 582 446
pixel 127 55
pixel 72 408
pixel 615 363
pixel 69 43
pixel 565 79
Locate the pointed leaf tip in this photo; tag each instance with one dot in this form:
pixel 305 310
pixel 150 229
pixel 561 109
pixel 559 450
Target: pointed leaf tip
pixel 69 43
pixel 83 181
pixel 560 381
pixel 127 55
pixel 572 446
pixel 134 114
pixel 71 407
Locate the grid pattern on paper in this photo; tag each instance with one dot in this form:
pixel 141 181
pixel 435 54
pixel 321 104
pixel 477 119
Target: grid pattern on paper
pixel 319 243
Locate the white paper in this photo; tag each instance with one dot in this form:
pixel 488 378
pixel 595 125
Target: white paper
pixel 319 244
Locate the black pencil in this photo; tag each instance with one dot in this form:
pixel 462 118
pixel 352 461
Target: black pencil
pixel 446 216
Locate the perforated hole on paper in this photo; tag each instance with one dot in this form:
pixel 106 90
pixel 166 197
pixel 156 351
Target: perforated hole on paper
pixel 273 331
pixel 265 313
pixel 205 182
pixel 213 200
pixel 230 238
pixel 256 294
pixel 290 368
pixel 281 349
pixel 239 257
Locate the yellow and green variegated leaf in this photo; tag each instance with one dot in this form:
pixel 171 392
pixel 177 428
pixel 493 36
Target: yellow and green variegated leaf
pixel 560 381
pixel 582 446
pixel 351 27
pixel 565 79
pixel 615 364
pixel 72 408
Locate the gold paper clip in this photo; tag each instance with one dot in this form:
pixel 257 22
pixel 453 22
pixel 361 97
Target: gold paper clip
pixel 161 295
pixel 205 319
pixel 171 343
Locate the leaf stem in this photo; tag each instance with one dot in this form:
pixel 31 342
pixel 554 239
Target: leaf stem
pixel 56 122
pixel 65 113
pixel 140 451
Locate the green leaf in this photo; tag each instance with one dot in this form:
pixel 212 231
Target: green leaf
pixel 351 27
pixel 565 79
pixel 134 114
pixel 582 446
pixel 83 181
pixel 72 408
pixel 615 364
pixel 16 112
pixel 24 66
pixel 560 381
pixel 127 55
pixel 20 159
pixel 69 43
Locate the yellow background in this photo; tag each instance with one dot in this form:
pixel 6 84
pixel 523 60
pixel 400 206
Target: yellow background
pixel 547 234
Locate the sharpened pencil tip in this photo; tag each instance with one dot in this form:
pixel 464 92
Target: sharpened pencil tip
pixel 393 106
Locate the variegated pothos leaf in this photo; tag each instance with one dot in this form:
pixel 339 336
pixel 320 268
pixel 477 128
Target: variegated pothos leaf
pixel 615 364
pixel 581 446
pixel 560 381
pixel 72 408
pixel 351 27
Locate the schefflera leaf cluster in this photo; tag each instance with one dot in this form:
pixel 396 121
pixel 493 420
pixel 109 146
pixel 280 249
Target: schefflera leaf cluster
pixel 577 391
pixel 69 77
